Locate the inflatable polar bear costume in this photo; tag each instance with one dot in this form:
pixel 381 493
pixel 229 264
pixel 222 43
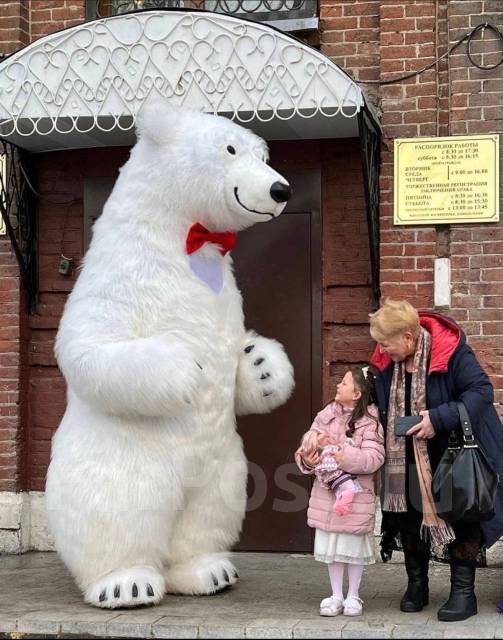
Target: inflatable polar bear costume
pixel 146 490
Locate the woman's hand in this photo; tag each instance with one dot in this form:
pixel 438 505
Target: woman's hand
pixel 424 430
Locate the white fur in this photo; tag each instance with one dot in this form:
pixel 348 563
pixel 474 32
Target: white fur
pixel 147 481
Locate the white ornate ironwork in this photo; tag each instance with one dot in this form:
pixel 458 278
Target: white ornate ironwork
pixel 96 76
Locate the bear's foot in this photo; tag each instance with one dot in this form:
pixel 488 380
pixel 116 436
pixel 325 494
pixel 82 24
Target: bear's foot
pixel 131 587
pixel 203 575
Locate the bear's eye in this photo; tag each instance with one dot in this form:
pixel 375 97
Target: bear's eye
pixel 231 150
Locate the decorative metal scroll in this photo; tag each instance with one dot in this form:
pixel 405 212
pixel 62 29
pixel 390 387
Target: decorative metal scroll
pixel 370 149
pixel 17 209
pixel 261 10
pixel 97 75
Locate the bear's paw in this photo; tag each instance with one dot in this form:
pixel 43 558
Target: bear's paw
pixel 131 587
pixel 203 575
pixel 265 376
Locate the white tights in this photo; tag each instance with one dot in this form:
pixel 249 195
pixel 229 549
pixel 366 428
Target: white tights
pixel 336 573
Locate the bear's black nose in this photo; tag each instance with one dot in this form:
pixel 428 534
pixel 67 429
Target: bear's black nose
pixel 280 192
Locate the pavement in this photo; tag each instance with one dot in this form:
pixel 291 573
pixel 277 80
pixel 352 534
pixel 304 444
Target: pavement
pixel 277 597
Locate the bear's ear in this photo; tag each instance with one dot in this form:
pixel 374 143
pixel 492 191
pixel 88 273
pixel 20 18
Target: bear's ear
pixel 157 120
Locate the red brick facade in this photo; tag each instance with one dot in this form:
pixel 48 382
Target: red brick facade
pixel 12 348
pixel 372 40
pixel 453 98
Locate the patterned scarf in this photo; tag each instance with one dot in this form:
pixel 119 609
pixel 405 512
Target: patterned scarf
pixel 432 527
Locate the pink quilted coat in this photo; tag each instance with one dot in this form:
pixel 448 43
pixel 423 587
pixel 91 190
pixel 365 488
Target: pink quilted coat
pixel 363 455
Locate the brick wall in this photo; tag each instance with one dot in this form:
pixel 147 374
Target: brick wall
pixel 350 36
pixel 424 106
pixel 450 99
pixel 14 25
pixel 408 41
pixel 477 107
pixel 23 21
pixel 347 298
pixel 11 378
pixel 48 16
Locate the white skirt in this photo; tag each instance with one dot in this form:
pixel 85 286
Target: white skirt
pixel 343 547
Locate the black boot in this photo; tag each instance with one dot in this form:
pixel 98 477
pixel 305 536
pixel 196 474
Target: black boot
pixel 462 603
pixel 417 595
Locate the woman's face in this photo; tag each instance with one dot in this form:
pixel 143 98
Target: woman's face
pixel 347 394
pixel 400 347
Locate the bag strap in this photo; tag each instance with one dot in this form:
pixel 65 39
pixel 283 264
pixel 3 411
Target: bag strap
pixel 466 426
pixel 453 442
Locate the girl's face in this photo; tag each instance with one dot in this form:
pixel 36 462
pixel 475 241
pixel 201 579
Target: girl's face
pixel 347 393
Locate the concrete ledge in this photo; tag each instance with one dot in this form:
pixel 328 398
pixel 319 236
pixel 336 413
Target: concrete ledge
pixel 277 597
pixel 23 522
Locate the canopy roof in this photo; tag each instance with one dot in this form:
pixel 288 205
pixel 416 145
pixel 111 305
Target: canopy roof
pixel 83 86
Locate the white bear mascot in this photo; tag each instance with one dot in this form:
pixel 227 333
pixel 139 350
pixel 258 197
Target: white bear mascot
pixel 146 490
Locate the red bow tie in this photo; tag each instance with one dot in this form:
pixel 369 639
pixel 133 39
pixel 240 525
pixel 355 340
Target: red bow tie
pixel 199 235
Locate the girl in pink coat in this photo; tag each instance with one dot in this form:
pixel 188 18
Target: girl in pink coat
pixel 344 536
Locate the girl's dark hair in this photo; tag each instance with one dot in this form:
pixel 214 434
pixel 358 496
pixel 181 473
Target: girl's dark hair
pixel 366 386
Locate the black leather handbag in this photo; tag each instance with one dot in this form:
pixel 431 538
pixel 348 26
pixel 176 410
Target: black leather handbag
pixel 464 485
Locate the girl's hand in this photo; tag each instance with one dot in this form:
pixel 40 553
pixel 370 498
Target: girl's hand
pixel 311 458
pixel 324 440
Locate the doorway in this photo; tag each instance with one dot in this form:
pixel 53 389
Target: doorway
pixel 278 269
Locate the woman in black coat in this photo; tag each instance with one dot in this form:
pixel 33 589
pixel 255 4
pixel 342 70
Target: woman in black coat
pixel 409 342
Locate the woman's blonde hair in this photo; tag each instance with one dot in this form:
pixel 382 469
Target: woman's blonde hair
pixel 393 319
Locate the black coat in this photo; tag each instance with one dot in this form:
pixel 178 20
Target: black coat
pixel 454 375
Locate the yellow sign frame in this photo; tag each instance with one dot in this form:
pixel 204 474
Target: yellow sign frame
pixel 451 180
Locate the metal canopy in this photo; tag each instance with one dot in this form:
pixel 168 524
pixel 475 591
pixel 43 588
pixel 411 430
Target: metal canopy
pixel 83 86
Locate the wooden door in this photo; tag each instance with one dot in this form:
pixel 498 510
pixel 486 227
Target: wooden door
pixel 278 269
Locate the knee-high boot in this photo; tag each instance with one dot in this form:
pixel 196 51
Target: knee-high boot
pixel 462 602
pixel 417 595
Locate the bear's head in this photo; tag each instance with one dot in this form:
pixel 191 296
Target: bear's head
pixel 212 170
